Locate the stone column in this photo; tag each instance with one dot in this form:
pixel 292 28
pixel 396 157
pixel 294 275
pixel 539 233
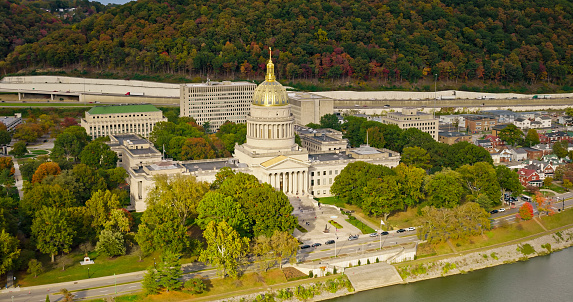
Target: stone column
pixel 291 182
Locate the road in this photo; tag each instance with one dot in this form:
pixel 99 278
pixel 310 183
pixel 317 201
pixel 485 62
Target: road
pixel 509 215
pixel 127 283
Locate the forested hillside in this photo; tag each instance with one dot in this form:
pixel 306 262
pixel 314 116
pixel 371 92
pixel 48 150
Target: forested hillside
pixel 501 41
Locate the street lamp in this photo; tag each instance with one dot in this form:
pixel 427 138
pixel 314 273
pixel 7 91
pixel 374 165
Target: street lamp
pixel 88 272
pixel 435 91
pixel 115 282
pixel 154 263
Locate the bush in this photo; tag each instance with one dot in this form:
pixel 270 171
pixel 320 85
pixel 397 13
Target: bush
pixel 310 274
pixel 358 262
pixel 494 256
pixel 377 260
pixel 195 286
pixel 526 249
pixel 368 261
pixel 284 294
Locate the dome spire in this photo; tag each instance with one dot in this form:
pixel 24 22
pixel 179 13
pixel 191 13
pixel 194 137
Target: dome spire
pixel 270 68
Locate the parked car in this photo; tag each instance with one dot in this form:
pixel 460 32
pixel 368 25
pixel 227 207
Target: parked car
pixel 502 210
pixel 316 244
pixel 306 246
pixel 350 238
pixel 329 242
pixel 348 211
pixel 374 234
pixel 384 233
pixel 411 229
pixel 400 231
pixel 494 212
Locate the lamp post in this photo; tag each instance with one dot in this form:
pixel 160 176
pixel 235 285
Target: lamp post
pixel 435 91
pixel 154 263
pixel 115 282
pixel 88 272
pixel 334 248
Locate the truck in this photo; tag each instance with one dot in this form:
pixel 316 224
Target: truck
pixel 135 93
pixel 541 97
pixel 446 97
pixel 486 97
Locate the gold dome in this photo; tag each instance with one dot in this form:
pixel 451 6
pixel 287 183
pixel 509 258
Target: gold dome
pixel 270 92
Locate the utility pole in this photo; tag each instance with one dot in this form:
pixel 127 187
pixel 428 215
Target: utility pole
pixel 435 92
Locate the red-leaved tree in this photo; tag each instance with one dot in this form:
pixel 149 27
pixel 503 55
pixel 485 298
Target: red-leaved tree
pixel 525 211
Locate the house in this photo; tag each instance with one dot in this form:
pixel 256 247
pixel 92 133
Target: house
pixel 453 119
pixel 544 120
pixel 533 153
pixel 546 148
pixel 502 116
pixel 522 123
pixel 518 154
pixel 484 143
pixel 544 169
pixel 496 157
pixel 479 123
pixel 505 156
pixel 565 120
pixel 535 125
pixel 556 136
pixel 552 158
pixel 529 177
pixel 497 128
pixel 495 141
pixel 451 137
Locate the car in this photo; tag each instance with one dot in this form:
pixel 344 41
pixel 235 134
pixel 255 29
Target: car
pixel 348 211
pixel 374 234
pixel 329 242
pixel 384 233
pixel 502 210
pixel 350 238
pixel 306 246
pixel 400 231
pixel 411 229
pixel 494 212
pixel 316 244
pixel 386 106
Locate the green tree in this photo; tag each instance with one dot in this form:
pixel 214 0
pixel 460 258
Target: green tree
pixel 35 267
pixel 511 135
pixel 90 179
pixel 169 271
pixel 417 157
pixel 560 149
pixel 224 248
pixel 354 177
pixel 411 181
pixel 161 228
pixel 217 207
pixel 150 282
pixel 100 206
pixel 330 121
pixel 51 231
pixel 98 155
pixel 440 224
pixel 118 221
pixel 46 195
pixel 19 149
pixel 532 138
pixel 70 143
pixel 9 251
pixel 262 248
pixel 284 246
pixel 508 180
pixel 382 196
pixel 180 192
pixel 444 189
pixel 111 243
pixel 481 178
pixel 5 137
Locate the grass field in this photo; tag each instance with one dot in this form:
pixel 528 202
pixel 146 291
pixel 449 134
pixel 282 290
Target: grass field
pixel 103 267
pixel 39 152
pixel 499 235
pixel 557 220
pixel 32 104
pixel 333 200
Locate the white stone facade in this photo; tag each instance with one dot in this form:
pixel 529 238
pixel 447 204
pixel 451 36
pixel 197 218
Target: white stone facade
pixel 216 102
pixel 411 118
pixel 121 119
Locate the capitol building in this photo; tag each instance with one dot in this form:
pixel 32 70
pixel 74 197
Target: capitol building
pixel 270 152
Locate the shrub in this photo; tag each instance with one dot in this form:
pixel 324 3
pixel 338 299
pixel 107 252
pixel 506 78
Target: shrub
pixel 547 246
pixel 358 262
pixel 195 286
pixel 310 274
pixel 448 267
pixel 526 249
pixel 377 260
pixel 494 256
pixel 368 261
pixel 334 271
pixel 284 294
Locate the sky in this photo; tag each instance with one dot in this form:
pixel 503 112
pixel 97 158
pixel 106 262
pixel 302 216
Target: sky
pixel 113 1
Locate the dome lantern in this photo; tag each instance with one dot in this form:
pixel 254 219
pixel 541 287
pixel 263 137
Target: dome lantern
pixel 270 92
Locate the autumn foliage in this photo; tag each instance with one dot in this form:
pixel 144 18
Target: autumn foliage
pixel 45 169
pixel 6 163
pixel 525 211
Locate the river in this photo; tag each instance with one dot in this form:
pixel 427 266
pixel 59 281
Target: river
pixel 546 278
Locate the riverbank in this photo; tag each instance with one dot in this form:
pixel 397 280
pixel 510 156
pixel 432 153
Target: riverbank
pixel 485 258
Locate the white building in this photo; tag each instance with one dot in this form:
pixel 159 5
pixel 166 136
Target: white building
pixel 321 140
pixel 452 119
pixel 522 123
pixel 309 107
pixel 411 118
pixel 544 120
pixel 11 121
pixel 121 119
pixel 216 102
pixel 270 153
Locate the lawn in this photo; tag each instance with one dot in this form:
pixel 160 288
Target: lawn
pixel 333 200
pixel 555 188
pixel 403 219
pixel 30 104
pixel 361 226
pixel 39 152
pixel 558 219
pixel 103 267
pixel 499 235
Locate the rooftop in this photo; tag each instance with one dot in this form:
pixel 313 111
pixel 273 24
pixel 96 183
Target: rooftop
pixel 452 134
pixel 214 164
pixel 223 83
pixel 115 109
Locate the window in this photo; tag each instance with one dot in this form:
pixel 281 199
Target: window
pixel 330 172
pixel 318 182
